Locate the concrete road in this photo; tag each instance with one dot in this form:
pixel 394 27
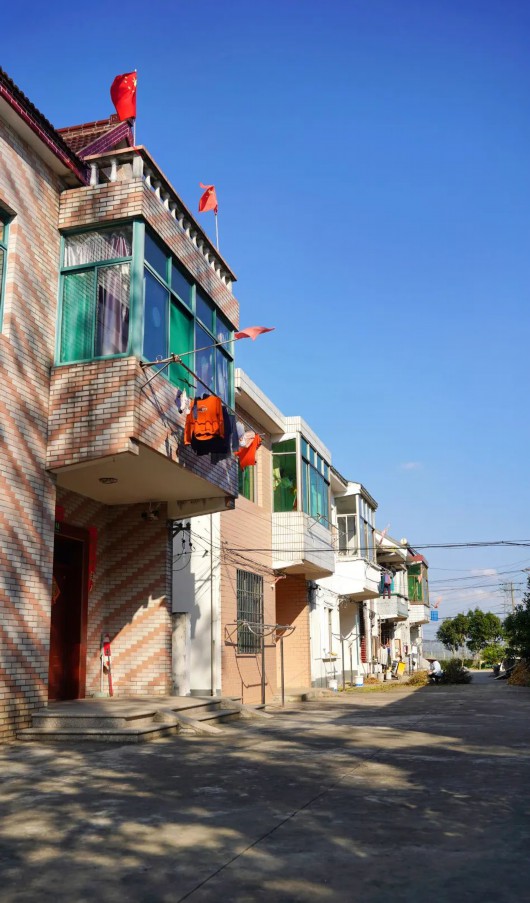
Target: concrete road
pixel 381 796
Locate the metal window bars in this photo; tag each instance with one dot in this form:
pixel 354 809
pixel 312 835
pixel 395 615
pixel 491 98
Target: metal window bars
pixel 276 633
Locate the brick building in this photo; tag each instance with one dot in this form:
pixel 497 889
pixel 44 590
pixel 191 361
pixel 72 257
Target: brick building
pixel 102 267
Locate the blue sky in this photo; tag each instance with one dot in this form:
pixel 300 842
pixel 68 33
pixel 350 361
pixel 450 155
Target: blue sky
pixel 371 165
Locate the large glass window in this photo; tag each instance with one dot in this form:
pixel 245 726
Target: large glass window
pixel 96 294
pixel 171 328
pixel 366 530
pixel 347 527
pixel 3 261
pixel 284 479
pixel 174 315
pixel 249 611
pixel 315 483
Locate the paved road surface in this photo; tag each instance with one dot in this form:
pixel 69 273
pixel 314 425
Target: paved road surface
pixel 417 796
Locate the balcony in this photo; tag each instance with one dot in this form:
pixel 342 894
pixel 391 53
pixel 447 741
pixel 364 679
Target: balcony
pixel 302 544
pixel 419 613
pixel 394 609
pixel 115 440
pixel 354 578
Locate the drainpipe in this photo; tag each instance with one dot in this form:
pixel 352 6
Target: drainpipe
pixel 212 635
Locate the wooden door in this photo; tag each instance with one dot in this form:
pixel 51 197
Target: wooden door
pixel 66 676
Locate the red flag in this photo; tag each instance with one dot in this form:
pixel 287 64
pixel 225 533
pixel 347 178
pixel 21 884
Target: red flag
pixel 252 332
pixel 208 200
pixel 123 95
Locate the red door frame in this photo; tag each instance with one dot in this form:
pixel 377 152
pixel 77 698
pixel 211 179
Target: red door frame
pixel 77 533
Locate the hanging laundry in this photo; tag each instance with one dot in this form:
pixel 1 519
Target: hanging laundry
pixel 246 438
pixel 217 445
pixel 240 430
pixel 247 456
pixel 205 420
pixel 182 401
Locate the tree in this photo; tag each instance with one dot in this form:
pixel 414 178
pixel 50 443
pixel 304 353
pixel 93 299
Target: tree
pixel 484 629
pixel 517 627
pixel 453 633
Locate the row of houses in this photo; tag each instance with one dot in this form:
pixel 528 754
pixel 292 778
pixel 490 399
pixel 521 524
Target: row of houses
pixel 288 590
pixel 207 578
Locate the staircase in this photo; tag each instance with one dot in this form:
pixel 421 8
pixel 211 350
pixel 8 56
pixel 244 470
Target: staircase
pixel 132 720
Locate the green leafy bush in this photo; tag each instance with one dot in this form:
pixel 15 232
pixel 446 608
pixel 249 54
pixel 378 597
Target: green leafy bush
pixel 493 654
pixel 455 673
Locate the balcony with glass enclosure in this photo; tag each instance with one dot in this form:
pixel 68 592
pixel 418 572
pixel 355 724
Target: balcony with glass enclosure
pixel 115 434
pixel 356 574
pixel 302 535
pixel 418 589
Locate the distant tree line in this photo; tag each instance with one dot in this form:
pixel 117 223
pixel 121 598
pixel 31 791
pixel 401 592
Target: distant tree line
pixel 486 636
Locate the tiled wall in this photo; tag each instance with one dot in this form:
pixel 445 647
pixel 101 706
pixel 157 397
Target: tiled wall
pixel 130 596
pixel 27 492
pixel 292 608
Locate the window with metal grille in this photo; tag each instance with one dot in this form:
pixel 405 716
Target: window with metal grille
pixel 249 609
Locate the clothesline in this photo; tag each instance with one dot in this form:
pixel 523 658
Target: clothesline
pixel 176 359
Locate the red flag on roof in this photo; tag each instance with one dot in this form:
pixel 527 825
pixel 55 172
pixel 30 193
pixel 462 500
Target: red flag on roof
pixel 208 200
pixel 123 95
pixel 252 332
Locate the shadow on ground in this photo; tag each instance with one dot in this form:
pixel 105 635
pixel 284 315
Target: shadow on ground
pixel 382 796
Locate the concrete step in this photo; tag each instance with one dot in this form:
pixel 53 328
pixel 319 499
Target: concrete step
pixel 98 734
pixel 130 721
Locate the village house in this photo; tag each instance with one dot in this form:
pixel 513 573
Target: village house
pixel 102 269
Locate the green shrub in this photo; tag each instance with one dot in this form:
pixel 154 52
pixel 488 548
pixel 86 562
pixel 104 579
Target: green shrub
pixel 454 673
pixel 493 654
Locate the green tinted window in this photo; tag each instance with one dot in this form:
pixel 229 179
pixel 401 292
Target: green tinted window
pixel 180 341
pixel 284 477
pixel 247 486
pixel 78 316
pixel 288 445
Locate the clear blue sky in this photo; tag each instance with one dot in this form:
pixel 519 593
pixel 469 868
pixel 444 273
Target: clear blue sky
pixel 371 163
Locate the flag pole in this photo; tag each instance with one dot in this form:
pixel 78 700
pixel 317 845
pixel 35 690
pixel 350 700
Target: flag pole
pixel 216 230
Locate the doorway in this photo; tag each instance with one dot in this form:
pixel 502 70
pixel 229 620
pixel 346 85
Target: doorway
pixel 67 666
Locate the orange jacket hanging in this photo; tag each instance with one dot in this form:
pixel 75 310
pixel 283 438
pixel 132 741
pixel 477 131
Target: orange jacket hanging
pixel 205 420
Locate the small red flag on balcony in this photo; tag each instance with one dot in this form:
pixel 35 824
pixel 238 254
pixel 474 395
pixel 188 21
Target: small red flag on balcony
pixel 252 332
pixel 123 95
pixel 208 200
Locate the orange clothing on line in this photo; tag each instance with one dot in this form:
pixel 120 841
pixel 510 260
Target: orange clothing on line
pixel 208 421
pixel 247 456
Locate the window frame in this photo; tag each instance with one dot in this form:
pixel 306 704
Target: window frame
pixel 5 219
pixel 94 266
pixel 189 311
pixel 138 265
pixel 248 643
pixel 312 462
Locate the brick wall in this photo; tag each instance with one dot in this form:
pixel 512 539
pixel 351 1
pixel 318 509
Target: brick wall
pixel 248 526
pixel 27 493
pixel 130 598
pixel 292 608
pixel 97 407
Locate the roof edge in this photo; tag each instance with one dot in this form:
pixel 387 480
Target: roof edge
pixel 41 127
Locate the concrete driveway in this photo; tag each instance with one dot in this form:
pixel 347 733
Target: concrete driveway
pixel 379 796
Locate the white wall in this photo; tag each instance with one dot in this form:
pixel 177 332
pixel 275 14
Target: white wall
pixel 196 592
